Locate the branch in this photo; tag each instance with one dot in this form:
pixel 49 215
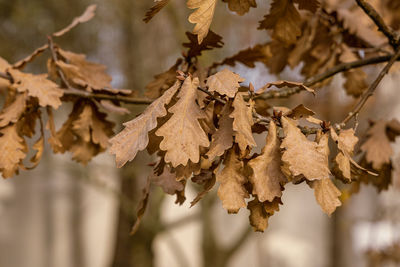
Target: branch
pixel 368 93
pixel 392 36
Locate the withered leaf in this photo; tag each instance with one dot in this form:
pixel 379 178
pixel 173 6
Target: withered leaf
pixel 241 7
pixel 326 194
pixel 225 82
pixel 85 17
pixel 345 142
pixel 267 176
pixel 260 213
pixel 310 5
pixel 154 10
pixel 202 17
pixel 281 84
pixel 212 40
pixel 222 139
pixel 182 133
pixel 141 206
pixel 302 156
pixel 242 122
pixel 134 137
pixel 232 179
pixel 167 181
pixel 12 150
pixel 284 20
pixel 47 92
pixel 13 112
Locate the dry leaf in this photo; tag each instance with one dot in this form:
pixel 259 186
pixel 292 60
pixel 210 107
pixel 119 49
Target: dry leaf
pixel 167 181
pixel 212 40
pixel 258 216
pixel 281 84
pixel 12 112
pixel 242 122
pixel 267 177
pixel 47 92
pixel 225 82
pixel 86 16
pixel 134 137
pixel 326 194
pixel 182 133
pixel 241 7
pixel 154 10
pixel 12 150
pixel 202 17
pixel 232 179
pixel 141 206
pixel 310 5
pixel 302 156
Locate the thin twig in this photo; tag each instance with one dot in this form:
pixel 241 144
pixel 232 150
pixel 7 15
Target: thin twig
pixel 392 36
pixel 368 93
pixel 124 99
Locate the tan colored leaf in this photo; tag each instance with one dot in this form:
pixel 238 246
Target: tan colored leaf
pixel 12 150
pixel 202 17
pixel 284 20
pixel 83 73
pixel 241 7
pixel 222 139
pixel 13 112
pixel 83 152
pixel 39 147
pixel 134 137
pixel 326 194
pixel 377 148
pixel 212 40
pixel 232 179
pixel 267 176
pixel 167 181
pixel 155 9
pixel 242 122
pixel 86 16
pixel 182 133
pixel 110 106
pixel 258 216
pixel 302 156
pixel 47 92
pixel 281 84
pixel 141 206
pixel 225 82
pixel 21 63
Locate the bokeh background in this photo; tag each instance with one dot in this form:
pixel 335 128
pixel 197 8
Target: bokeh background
pixel 67 215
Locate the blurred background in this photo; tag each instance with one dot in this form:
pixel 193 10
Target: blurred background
pixel 67 215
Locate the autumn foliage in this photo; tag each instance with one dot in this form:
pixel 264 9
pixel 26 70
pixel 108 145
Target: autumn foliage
pixel 199 122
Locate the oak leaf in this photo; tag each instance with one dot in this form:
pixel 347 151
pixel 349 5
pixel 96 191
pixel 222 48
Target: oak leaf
pixel 87 15
pixel 302 156
pixel 202 17
pixel 240 6
pixel 310 5
pixel 167 181
pixel 242 122
pixel 267 177
pixel 260 213
pixel 134 137
pixel 182 133
pixel 281 84
pixel 225 82
pixel 232 179
pixel 47 92
pixel 212 40
pixel 326 194
pixel 12 150
pixel 154 10
pixel 12 112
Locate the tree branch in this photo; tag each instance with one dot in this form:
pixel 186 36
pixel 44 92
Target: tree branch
pixel 392 36
pixel 368 93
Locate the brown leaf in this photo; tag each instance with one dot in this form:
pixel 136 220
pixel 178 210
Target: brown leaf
pixel 281 84
pixel 167 181
pixel 284 20
pixel 346 142
pixel 222 139
pixel 110 106
pixel 232 179
pixel 202 17
pixel 47 92
pixel 85 17
pixel 155 9
pixel 212 40
pixel 326 194
pixel 182 133
pixel 241 7
pixel 12 150
pixel 225 82
pixel 302 156
pixel 141 206
pixel 258 216
pixel 134 137
pixel 267 176
pixel 208 180
pixel 13 112
pixel 21 63
pixel 242 122
pixel 310 5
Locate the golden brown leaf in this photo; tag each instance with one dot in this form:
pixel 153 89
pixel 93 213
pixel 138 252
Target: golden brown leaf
pixel 47 92
pixel 134 137
pixel 267 176
pixel 326 194
pixel 86 16
pixel 232 179
pixel 284 20
pixel 141 206
pixel 154 10
pixel 310 5
pixel 182 133
pixel 258 216
pixel 202 17
pixel 225 82
pixel 241 7
pixel 12 150
pixel 13 112
pixel 281 84
pixel 167 181
pixel 242 122
pixel 302 156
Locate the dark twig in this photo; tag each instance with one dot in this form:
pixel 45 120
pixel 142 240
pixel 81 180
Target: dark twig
pixel 368 93
pixel 392 36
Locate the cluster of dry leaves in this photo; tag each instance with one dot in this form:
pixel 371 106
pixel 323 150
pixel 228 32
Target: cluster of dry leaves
pixel 200 122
